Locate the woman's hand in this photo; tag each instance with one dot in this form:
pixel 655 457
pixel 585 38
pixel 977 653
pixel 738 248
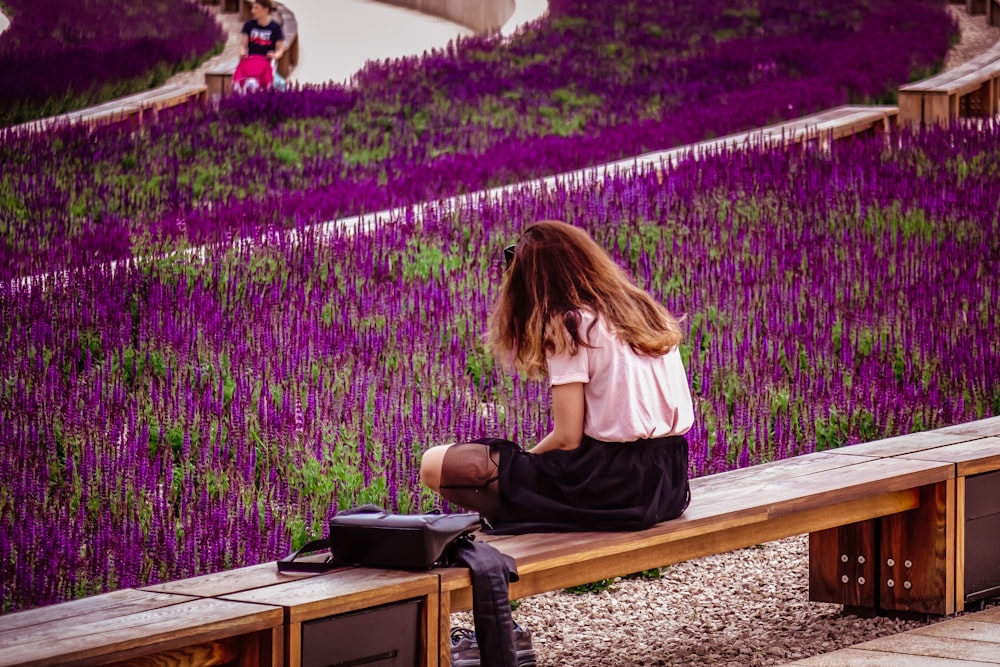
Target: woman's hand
pixel 567 419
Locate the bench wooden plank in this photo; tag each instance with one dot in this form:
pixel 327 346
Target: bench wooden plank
pixel 980 428
pixel 906 444
pixel 971 457
pixel 232 581
pixel 96 607
pixel 341 591
pixel 942 81
pixel 128 636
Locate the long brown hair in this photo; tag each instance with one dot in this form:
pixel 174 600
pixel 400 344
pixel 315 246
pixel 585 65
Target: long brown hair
pixel 557 270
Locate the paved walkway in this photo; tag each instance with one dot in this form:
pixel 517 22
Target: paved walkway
pixel 337 38
pixel 972 640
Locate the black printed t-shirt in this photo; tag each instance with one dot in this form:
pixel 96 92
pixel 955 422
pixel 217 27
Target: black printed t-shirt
pixel 261 40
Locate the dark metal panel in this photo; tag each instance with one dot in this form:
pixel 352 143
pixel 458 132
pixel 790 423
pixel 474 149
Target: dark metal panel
pixel 385 636
pixel 982 556
pixel 982 495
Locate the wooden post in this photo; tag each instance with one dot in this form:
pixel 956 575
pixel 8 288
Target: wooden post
pixel 917 568
pixel 842 565
pixel 911 108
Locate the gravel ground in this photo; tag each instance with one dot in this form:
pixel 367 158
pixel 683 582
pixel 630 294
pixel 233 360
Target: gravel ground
pixel 977 36
pixel 744 608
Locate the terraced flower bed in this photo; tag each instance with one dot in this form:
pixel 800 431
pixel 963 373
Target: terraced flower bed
pixel 594 82
pixel 61 55
pixel 197 412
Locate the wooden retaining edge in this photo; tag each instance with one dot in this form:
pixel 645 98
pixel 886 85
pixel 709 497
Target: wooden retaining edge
pixel 819 129
pixel 481 16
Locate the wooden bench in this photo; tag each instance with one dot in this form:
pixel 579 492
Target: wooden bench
pixel 819 129
pixel 898 525
pixel 969 90
pixel 993 12
pixel 130 107
pixel 140 627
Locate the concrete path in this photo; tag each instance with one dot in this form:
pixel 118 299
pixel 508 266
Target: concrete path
pixel 338 37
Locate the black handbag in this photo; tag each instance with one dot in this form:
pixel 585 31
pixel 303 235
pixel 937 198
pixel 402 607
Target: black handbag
pixel 372 537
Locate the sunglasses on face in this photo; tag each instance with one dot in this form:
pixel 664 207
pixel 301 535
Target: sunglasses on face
pixel 508 256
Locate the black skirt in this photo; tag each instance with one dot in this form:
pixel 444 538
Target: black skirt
pixel 597 486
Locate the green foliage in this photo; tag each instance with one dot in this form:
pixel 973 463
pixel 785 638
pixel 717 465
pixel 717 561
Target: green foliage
pixel 598 586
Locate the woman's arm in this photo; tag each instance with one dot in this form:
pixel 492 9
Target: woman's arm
pixel 567 419
pixel 279 50
pixel 244 45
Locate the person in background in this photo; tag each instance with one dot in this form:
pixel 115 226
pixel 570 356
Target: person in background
pixel 262 36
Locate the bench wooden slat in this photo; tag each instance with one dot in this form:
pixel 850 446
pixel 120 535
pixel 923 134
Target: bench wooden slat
pixel 340 592
pixel 796 466
pixel 905 444
pixel 132 635
pixel 980 428
pixel 232 581
pixel 971 457
pixel 97 607
pixel 941 81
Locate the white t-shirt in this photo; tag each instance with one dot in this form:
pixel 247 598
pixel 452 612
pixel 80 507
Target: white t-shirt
pixel 626 396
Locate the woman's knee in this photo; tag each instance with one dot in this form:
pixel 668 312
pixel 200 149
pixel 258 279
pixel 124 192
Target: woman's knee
pixel 430 466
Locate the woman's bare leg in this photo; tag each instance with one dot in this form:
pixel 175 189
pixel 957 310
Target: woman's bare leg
pixel 431 465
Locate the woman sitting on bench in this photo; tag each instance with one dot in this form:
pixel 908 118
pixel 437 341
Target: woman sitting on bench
pixel 616 458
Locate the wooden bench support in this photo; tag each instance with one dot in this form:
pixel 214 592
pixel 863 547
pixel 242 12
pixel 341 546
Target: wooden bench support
pixel 967 91
pixel 903 562
pixel 993 12
pixel 974 7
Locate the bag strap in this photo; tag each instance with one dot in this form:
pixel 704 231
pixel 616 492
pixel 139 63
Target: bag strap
pixel 290 564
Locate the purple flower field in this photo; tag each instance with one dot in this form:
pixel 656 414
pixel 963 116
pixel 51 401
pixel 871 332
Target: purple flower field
pixel 594 82
pixel 178 416
pixel 61 55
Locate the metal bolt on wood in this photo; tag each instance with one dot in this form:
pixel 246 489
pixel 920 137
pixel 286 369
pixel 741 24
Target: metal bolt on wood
pixel 890 583
pixel 890 563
